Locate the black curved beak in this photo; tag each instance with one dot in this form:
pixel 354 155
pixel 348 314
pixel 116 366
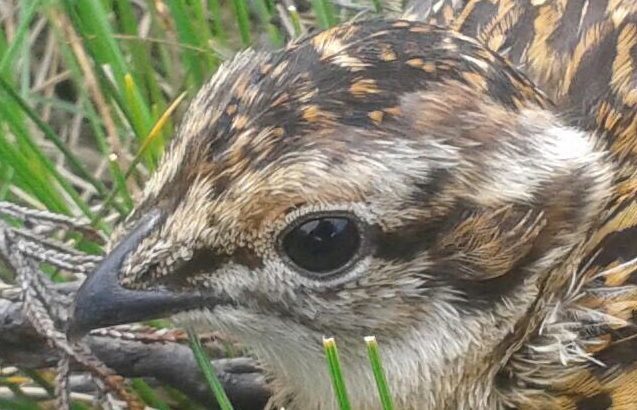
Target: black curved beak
pixel 101 301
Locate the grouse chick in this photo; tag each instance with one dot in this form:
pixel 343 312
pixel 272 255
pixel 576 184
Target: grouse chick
pixel 385 178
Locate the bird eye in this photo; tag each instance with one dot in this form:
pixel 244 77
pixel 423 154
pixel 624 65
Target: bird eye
pixel 322 245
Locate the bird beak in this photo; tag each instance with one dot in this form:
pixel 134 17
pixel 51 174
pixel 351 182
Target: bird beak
pixel 102 301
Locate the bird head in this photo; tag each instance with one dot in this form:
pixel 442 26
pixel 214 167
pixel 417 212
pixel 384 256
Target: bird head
pixel 383 178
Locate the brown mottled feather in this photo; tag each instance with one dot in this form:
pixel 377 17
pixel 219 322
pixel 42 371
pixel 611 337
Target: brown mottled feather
pixel 583 54
pixel 489 244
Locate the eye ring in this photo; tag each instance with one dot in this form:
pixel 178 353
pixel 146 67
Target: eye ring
pixel 307 235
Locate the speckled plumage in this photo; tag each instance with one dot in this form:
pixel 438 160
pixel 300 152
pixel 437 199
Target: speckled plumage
pixel 493 168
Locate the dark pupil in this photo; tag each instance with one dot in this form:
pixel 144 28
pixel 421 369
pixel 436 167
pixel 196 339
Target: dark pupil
pixel 323 244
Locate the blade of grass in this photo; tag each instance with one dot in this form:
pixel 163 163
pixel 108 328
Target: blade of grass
pixel 5 182
pixel 206 368
pixel 243 20
pixel 52 136
pixel 266 17
pixel 148 395
pixel 296 20
pixel 120 183
pixel 325 13
pixel 331 354
pixel 91 20
pixel 201 26
pixel 29 179
pixel 140 51
pixel 18 404
pixel 88 22
pixel 17 42
pixel 155 131
pixel 215 11
pixel 199 23
pixel 33 166
pixel 379 374
pixel 187 35
pixel 138 123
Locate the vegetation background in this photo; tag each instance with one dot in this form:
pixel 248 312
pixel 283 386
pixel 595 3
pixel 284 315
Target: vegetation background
pixel 91 92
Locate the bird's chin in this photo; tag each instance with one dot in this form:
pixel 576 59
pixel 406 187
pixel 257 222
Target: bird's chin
pixel 200 320
pixel 245 324
pixel 291 354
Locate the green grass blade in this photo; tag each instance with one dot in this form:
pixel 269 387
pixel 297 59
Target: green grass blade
pixel 9 56
pixel 200 23
pixel 120 183
pixel 52 136
pixel 266 17
pixel 209 373
pixel 138 120
pixel 243 20
pixel 379 374
pixel 140 51
pixel 215 11
pixel 148 395
pixel 324 11
pixel 187 35
pixel 338 382
pixel 91 21
pixel 31 163
pixel 28 178
pixel 19 404
pixel 295 18
pixel 154 133
pixel 6 180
